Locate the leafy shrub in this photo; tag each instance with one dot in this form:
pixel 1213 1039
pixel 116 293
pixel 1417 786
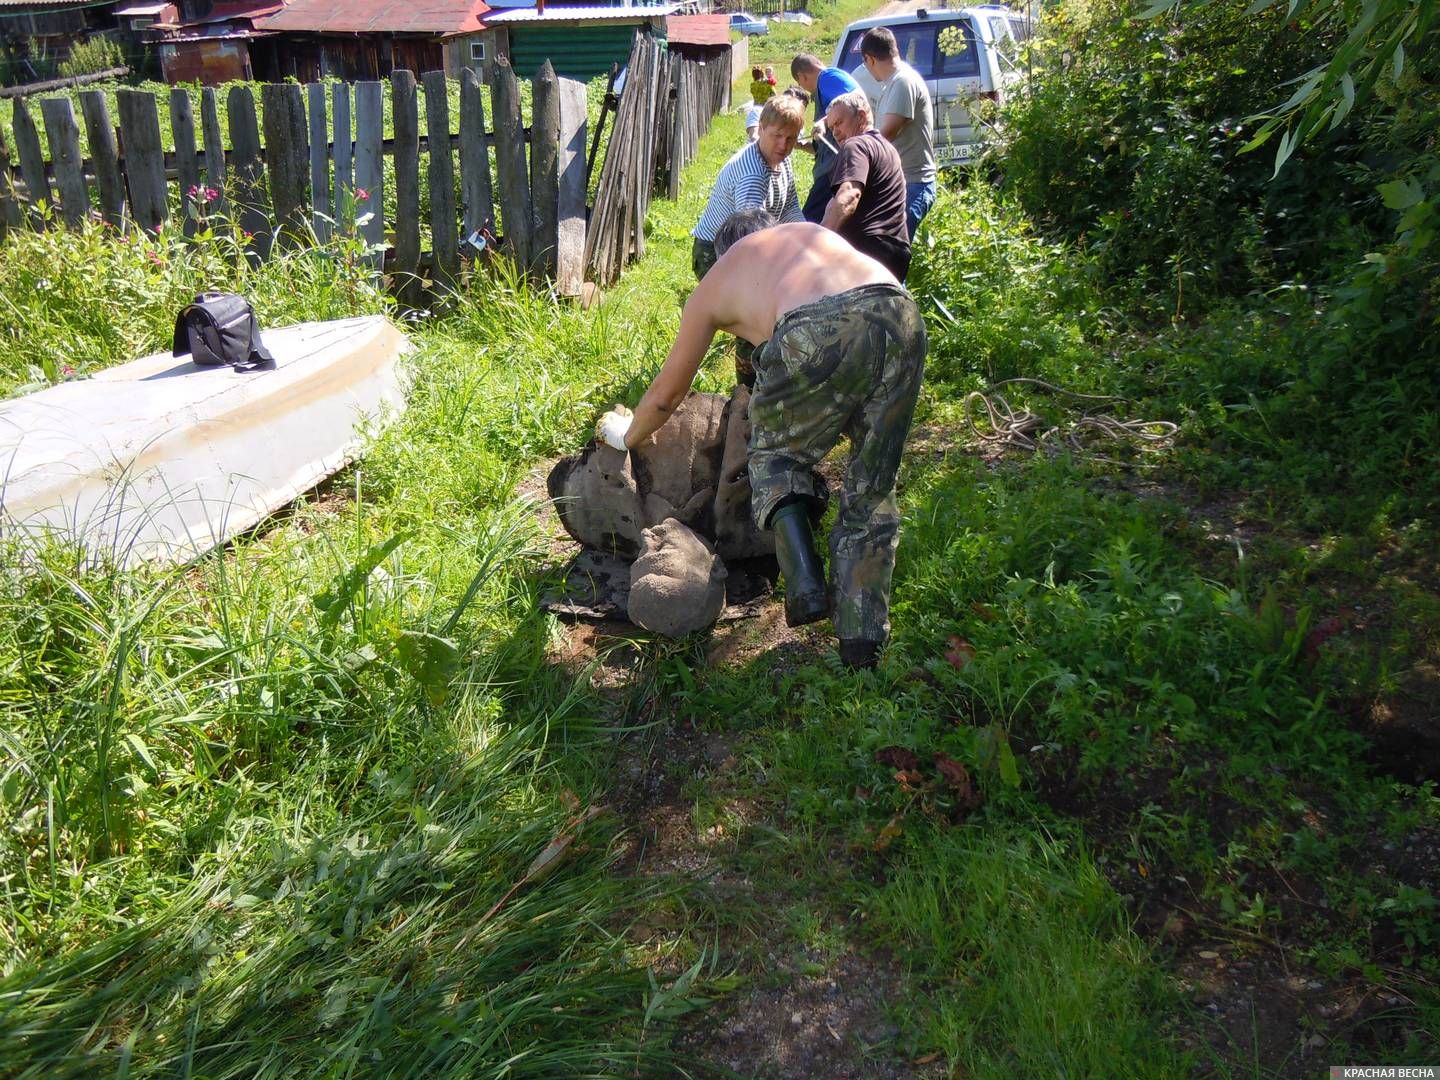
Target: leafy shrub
pixel 92 55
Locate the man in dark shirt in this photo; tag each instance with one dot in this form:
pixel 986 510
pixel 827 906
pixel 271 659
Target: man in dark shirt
pixel 867 206
pixel 824 84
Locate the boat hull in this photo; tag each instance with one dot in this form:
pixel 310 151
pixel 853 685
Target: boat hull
pixel 158 460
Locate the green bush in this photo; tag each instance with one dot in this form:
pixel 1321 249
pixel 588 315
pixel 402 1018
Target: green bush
pixel 92 55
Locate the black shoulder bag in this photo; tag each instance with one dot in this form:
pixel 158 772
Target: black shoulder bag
pixel 218 329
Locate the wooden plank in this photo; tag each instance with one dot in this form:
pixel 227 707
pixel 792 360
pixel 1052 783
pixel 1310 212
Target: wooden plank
pixel 320 217
pixel 104 156
pixel 144 158
pixel 187 162
pixel 370 165
pixel 344 150
pixel 475 192
pixel 9 205
pixel 570 198
pixel 32 161
pixel 287 160
pixel 406 120
pixel 544 171
pixel 214 152
pixel 510 162
pixel 444 239
pixel 245 171
pixel 63 134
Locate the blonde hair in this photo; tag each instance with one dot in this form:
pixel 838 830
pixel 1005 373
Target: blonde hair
pixel 783 111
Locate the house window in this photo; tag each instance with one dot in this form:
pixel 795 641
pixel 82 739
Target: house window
pixel 477 51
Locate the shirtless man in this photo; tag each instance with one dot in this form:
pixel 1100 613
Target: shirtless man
pixel 842 351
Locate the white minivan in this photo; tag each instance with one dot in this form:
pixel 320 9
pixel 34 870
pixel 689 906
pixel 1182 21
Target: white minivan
pixel 964 54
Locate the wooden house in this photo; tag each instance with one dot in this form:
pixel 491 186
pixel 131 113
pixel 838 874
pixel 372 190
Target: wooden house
pixel 368 39
pixel 36 36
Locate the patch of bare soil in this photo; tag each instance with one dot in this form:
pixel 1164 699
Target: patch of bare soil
pixel 801 1012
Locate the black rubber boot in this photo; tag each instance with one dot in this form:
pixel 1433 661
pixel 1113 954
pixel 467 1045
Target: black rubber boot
pixel 806 600
pixel 857 653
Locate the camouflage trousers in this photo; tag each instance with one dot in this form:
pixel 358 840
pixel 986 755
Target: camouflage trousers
pixel 849 364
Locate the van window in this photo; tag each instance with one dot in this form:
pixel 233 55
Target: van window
pixel 1021 29
pixel 956 56
pixel 927 47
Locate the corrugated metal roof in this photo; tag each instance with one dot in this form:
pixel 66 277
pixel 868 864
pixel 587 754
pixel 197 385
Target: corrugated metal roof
pixel 378 17
pixel 576 13
pixel 48 5
pixel 698 29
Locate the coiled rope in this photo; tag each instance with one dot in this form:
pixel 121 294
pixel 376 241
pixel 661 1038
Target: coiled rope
pixel 1025 430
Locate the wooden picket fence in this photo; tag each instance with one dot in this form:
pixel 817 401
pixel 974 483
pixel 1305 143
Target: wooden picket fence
pixel 667 104
pixel 284 179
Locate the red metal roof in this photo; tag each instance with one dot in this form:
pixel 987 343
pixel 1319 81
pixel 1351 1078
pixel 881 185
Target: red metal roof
pixel 698 29
pixel 378 17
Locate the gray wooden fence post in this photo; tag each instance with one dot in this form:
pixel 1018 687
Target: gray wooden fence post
pixel 214 152
pixel 187 163
pixel 9 207
pixel 105 156
pixel 144 158
pixel 370 166
pixel 32 160
pixel 246 175
pixel 64 138
pixel 544 171
pixel 319 164
pixel 444 241
pixel 570 208
pixel 344 155
pixel 510 162
pixel 475 191
pixel 406 118
pixel 287 160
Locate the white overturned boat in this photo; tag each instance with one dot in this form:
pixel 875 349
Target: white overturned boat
pixel 162 460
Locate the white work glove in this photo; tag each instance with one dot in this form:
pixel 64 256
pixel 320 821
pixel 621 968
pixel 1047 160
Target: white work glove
pixel 817 130
pixel 611 428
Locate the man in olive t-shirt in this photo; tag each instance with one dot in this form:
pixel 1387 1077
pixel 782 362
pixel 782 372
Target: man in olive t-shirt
pixel 905 115
pixel 867 206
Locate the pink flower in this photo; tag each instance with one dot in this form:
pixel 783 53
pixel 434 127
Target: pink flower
pixel 361 194
pixel 211 194
pixel 192 191
pixel 66 370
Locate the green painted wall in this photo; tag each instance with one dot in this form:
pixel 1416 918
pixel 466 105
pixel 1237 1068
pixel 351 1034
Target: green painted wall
pixel 577 52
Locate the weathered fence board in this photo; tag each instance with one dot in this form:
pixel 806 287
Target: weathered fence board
pixel 477 200
pixel 444 241
pixel 245 170
pixel 510 162
pixel 104 156
pixel 319 164
pixel 544 171
pixel 32 158
pixel 9 206
pixel 214 151
pixel 369 164
pixel 144 158
pixel 344 154
pixel 405 116
pixel 570 197
pixel 64 137
pixel 187 162
pixel 282 185
pixel 287 160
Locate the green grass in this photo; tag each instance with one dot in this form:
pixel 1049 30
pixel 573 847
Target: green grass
pixel 256 811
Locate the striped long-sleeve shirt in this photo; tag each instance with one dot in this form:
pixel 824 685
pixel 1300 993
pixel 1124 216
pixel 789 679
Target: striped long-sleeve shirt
pixel 744 182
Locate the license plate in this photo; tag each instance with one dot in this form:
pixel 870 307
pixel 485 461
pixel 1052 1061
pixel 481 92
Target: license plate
pixel 955 153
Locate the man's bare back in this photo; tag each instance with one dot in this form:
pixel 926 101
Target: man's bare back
pixel 773 271
pixel 757 281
